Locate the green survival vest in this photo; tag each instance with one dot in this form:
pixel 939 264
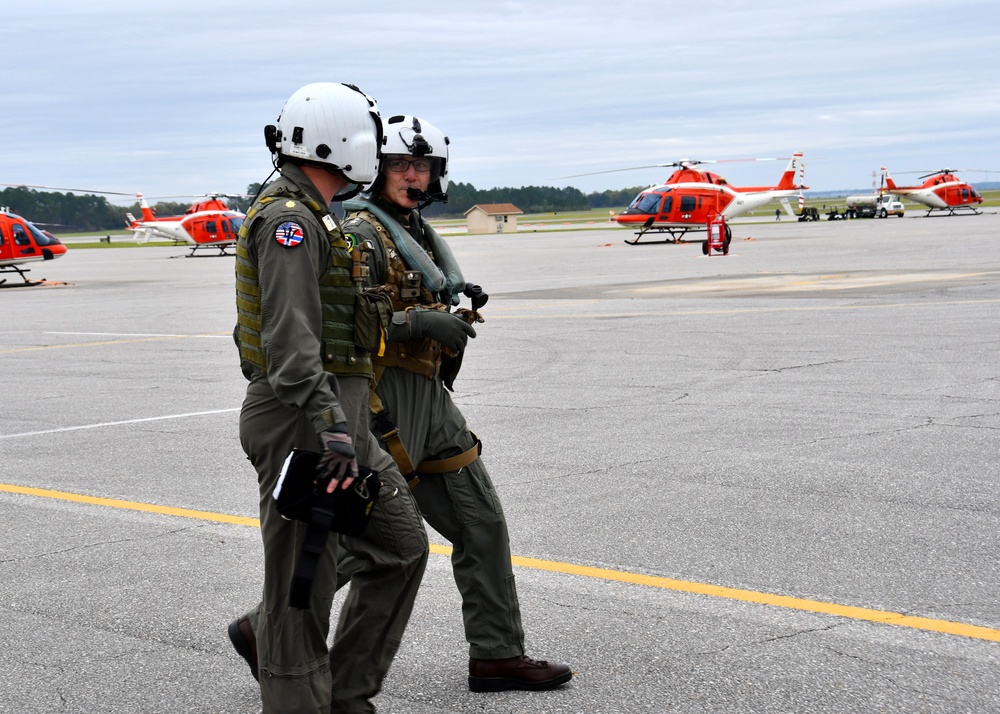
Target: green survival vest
pixel 342 350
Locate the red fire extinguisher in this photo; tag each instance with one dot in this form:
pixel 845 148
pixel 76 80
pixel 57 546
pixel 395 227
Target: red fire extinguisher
pixel 718 237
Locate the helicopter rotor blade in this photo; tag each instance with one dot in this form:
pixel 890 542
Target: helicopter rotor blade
pixel 75 190
pixel 680 163
pixel 613 171
pixel 948 171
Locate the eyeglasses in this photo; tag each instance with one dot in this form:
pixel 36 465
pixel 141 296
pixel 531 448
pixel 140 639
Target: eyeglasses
pixel 421 166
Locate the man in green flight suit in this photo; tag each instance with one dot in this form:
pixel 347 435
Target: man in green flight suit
pixel 414 413
pixel 305 330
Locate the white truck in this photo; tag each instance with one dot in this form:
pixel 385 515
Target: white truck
pixel 873 205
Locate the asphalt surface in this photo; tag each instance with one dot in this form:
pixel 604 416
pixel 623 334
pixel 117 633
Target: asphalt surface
pixel 813 416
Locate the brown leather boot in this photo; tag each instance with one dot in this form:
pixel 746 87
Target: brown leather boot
pixel 497 675
pixel 244 641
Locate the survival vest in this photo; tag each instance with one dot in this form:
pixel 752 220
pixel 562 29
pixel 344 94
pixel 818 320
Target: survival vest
pixel 405 289
pixel 339 293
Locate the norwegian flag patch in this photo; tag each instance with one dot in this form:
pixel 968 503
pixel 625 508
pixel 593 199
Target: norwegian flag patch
pixel 289 234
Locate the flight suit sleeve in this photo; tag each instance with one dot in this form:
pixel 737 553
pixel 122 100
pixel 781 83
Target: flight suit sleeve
pixel 292 315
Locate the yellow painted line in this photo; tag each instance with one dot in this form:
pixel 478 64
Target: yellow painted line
pixel 793 603
pixel 760 598
pixel 102 343
pixel 131 505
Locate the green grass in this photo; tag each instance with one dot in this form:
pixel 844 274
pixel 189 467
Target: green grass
pixel 553 220
pixel 122 244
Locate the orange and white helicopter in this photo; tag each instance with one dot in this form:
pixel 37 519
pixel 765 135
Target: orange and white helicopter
pixel 942 191
pixel 692 198
pixel 207 224
pixel 22 242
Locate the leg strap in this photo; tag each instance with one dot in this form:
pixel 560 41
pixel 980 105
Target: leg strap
pixel 452 463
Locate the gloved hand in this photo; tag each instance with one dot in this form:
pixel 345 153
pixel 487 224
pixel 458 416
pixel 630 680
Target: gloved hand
pixel 450 330
pixel 337 460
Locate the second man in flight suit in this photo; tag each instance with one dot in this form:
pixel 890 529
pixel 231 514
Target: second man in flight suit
pixel 414 413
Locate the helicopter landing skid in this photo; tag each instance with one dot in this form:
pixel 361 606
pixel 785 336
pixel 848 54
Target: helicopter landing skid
pixel 676 236
pixel 221 248
pixel 21 272
pixel 968 210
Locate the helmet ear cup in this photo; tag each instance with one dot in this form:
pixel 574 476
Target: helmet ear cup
pixel 336 125
pixel 272 138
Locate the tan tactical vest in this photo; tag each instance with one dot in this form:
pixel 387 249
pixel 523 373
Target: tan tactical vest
pixel 422 355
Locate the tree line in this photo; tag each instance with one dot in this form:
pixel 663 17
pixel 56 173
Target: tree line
pixel 530 199
pixel 71 213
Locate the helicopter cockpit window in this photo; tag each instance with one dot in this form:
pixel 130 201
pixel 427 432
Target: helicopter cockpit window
pixel 646 203
pixel 20 236
pixel 237 224
pixel 41 237
pixel 668 205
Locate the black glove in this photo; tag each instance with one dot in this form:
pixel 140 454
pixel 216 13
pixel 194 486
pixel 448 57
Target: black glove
pixel 451 331
pixel 337 460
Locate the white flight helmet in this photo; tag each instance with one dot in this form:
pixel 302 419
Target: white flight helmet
pixel 410 136
pixel 332 124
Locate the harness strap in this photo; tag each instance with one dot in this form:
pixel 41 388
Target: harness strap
pixel 383 423
pixel 390 436
pixel 452 463
pixel 308 561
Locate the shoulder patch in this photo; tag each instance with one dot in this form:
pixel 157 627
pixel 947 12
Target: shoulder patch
pixel 288 234
pixel 352 242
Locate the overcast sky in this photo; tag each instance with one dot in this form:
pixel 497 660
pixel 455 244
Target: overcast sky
pixel 170 98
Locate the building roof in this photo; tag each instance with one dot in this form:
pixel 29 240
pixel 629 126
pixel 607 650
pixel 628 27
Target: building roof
pixel 495 209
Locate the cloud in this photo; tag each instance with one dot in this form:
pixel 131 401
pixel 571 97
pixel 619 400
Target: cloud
pixel 173 99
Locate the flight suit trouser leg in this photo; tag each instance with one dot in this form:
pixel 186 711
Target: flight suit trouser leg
pixel 392 553
pixel 292 654
pixel 463 506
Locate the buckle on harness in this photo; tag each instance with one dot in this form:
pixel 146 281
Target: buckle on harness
pixel 383 424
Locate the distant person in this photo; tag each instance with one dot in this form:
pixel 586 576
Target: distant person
pixel 298 304
pixel 777 214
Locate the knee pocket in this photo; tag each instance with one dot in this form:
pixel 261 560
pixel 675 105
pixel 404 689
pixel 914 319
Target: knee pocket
pixel 396 527
pixel 472 494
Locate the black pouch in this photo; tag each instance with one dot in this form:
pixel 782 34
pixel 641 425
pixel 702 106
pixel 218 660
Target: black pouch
pixel 299 497
pixel 297 494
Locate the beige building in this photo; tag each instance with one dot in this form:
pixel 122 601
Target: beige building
pixel 493 218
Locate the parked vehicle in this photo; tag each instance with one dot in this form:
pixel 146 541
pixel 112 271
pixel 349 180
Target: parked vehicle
pixel 874 206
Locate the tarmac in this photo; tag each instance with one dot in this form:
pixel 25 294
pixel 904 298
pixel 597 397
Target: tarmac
pixel 759 482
